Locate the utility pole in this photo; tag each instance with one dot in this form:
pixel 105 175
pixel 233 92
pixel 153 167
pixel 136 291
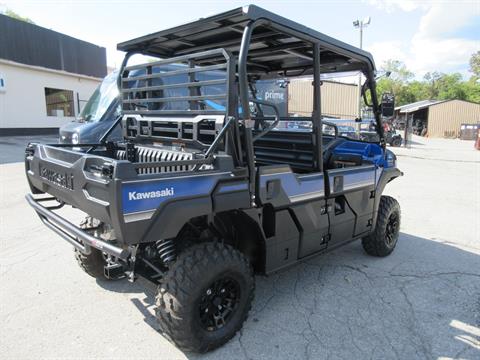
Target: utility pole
pixel 360 24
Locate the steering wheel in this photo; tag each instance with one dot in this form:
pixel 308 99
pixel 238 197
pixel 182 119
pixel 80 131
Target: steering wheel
pixel 335 127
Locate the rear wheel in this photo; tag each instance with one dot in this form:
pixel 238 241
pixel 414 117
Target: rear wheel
pixel 93 264
pixel 383 239
pixel 205 296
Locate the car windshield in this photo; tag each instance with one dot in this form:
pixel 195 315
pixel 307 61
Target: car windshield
pixel 101 99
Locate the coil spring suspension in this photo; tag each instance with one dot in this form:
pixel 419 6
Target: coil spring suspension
pixel 166 251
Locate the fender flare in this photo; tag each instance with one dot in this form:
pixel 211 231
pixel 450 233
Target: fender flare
pixel 388 175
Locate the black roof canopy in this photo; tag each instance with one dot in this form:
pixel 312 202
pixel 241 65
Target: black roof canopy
pixel 277 44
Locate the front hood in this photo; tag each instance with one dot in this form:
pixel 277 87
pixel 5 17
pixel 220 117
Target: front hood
pixel 88 132
pixel 66 131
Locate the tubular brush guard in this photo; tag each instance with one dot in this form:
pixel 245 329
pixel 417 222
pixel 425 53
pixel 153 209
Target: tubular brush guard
pixel 80 239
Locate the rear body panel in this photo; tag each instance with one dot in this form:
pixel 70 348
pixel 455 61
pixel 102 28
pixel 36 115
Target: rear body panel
pixel 133 203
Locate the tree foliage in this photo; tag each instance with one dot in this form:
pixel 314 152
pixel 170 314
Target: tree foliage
pixel 433 86
pixel 14 15
pixel 475 64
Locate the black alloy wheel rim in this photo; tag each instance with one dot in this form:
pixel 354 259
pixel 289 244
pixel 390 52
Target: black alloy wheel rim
pixel 219 303
pixel 392 229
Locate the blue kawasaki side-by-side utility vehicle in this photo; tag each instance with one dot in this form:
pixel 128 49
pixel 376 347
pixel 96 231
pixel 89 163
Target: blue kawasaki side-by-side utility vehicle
pixel 200 196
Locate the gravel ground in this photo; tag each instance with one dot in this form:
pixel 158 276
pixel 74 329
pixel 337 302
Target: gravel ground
pixel 422 302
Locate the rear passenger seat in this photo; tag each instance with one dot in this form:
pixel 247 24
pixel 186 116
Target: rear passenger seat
pixel 294 148
pixel 285 147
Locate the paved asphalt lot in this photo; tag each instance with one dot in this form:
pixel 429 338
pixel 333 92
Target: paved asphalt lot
pixel 12 148
pixel 422 302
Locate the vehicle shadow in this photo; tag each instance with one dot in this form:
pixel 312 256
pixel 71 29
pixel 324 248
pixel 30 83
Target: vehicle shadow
pixel 423 301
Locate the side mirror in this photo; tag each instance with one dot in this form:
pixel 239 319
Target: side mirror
pixel 388 105
pixel 253 108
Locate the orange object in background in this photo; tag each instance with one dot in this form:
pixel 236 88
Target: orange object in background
pixel 477 142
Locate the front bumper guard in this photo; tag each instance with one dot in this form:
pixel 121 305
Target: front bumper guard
pixel 79 238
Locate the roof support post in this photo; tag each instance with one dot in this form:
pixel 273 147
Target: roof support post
pixel 376 108
pixel 242 69
pixel 244 99
pixel 233 136
pixel 127 56
pixel 317 109
pixel 242 66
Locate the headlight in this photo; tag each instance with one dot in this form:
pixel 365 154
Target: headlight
pixel 75 138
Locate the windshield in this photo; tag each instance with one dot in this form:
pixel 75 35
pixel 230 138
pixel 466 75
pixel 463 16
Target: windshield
pixel 101 99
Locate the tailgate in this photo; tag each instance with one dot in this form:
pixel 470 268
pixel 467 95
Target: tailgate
pixel 74 178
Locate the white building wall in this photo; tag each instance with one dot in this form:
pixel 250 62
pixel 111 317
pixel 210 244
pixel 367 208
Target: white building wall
pixel 22 101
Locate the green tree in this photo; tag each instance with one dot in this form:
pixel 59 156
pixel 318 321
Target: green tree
pixel 435 85
pixel 396 83
pixel 475 64
pixel 398 70
pixel 431 81
pixel 14 15
pixel 418 89
pixel 472 89
pixel 450 86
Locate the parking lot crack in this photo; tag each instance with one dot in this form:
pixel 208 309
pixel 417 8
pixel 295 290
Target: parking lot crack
pixel 428 275
pixel 413 325
pixel 242 346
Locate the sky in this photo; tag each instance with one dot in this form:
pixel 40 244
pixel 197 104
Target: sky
pixel 427 36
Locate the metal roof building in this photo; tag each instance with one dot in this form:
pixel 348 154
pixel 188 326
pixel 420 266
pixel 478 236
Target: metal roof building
pixel 34 45
pixel 442 118
pixel 45 77
pixel 339 100
pixel 416 106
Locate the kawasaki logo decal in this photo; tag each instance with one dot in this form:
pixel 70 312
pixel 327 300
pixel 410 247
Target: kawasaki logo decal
pixel 150 195
pixel 139 196
pixel 134 195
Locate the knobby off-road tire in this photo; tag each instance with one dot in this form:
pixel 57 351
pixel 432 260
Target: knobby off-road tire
pixel 384 238
pixel 207 280
pixel 93 263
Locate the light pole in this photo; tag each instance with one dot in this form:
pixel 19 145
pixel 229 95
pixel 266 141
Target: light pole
pixel 360 24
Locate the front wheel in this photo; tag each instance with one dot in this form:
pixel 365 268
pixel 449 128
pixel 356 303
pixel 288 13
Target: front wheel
pixel 93 264
pixel 383 239
pixel 205 296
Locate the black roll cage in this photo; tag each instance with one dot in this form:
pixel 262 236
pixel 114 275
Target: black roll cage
pixel 260 17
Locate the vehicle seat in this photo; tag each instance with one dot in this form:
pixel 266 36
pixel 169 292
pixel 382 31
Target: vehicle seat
pixel 294 148
pixel 329 145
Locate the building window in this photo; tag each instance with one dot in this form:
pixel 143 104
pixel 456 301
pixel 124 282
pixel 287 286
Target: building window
pixel 59 102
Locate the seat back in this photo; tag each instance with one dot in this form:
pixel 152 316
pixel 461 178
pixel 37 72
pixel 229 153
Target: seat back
pixel 294 148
